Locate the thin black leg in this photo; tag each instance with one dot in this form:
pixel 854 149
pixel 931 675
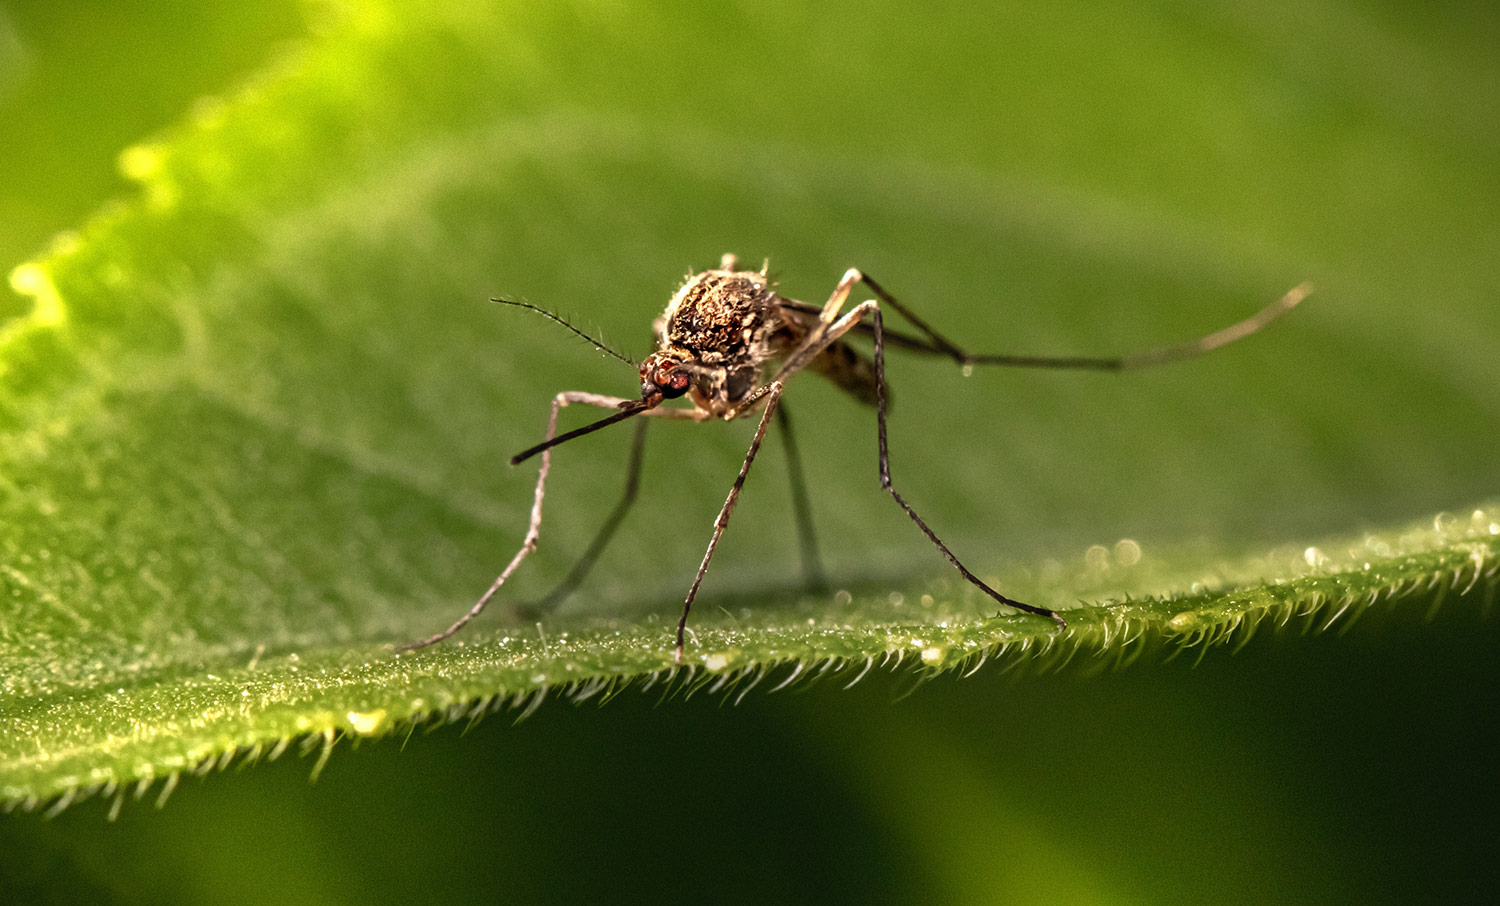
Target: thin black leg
pixel 936 344
pixel 772 392
pixel 885 482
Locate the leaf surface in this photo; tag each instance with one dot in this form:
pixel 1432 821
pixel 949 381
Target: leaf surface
pixel 256 420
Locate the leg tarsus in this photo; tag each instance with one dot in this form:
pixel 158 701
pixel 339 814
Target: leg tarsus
pixel 936 344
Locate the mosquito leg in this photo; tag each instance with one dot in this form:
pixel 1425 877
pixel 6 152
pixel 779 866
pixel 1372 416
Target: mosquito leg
pixel 839 295
pixel 885 478
pixel 885 482
pixel 833 335
pixel 935 343
pixel 822 334
pixel 772 393
pixel 529 543
pixel 606 532
pixel 812 565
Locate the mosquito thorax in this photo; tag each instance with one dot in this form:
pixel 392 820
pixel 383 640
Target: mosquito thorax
pixel 722 324
pixel 720 317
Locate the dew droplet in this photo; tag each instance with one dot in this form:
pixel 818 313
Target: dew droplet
pixel 366 722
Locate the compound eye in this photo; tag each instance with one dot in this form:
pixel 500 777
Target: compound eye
pixel 674 383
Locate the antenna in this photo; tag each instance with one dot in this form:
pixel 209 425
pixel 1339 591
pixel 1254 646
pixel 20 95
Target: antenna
pixel 558 318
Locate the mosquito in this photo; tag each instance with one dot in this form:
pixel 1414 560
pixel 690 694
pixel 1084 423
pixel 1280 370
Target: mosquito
pixel 728 342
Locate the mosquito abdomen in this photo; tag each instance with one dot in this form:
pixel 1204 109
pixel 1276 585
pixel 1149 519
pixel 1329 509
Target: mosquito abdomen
pixel 851 372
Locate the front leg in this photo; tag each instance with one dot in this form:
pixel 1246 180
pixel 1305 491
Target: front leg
pixel 605 534
pixel 772 394
pixel 534 531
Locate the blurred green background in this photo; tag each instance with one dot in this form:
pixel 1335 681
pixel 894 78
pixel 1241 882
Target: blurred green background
pixel 1242 146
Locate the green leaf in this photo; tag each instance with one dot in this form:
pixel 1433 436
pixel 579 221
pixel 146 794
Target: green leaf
pixel 256 420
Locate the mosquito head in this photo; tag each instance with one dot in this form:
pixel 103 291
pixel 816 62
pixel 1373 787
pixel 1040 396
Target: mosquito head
pixel 663 377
